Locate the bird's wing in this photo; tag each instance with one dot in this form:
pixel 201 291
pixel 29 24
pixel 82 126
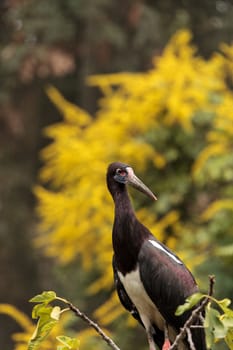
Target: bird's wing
pixel 168 283
pixel 165 278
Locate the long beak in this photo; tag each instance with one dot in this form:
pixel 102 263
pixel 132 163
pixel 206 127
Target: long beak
pixel 135 182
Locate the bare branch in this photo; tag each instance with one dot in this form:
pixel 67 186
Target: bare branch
pixel 195 313
pixel 190 339
pixel 94 325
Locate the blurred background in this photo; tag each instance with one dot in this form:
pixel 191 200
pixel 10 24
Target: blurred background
pixel 60 44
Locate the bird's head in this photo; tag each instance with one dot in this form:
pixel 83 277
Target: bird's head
pixel 124 174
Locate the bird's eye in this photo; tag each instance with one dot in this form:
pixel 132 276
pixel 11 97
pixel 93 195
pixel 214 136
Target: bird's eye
pixel 121 172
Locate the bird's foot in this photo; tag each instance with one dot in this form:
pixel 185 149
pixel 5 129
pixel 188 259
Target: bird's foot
pixel 166 345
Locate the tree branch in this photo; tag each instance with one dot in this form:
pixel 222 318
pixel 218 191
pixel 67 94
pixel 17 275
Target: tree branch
pixel 184 330
pixel 94 325
pixel 195 313
pixel 190 339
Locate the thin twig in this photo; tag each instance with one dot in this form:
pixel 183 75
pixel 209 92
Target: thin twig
pixel 190 339
pixel 94 325
pixel 201 316
pixel 194 315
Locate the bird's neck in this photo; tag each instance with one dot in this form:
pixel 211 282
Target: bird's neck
pixel 123 206
pixel 127 238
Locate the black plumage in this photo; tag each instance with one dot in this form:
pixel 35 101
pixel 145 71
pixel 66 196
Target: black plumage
pixel 151 281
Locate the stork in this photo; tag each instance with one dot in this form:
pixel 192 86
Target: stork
pixel 151 281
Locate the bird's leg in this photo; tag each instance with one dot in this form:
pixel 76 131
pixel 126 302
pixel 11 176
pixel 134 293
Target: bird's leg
pixel 151 342
pixel 166 344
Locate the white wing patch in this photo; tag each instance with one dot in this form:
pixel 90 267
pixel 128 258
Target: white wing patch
pixel 159 246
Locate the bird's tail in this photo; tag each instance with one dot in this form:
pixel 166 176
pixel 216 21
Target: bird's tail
pixel 198 337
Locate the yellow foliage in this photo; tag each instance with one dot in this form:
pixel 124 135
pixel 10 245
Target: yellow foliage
pixel 109 311
pixel 213 149
pixel 220 138
pixel 77 210
pixel 224 204
pixel 176 87
pixel 18 316
pixel 70 111
pixel 21 339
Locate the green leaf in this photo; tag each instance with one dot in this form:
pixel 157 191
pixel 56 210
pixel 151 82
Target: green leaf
pixel 190 302
pixel 44 327
pixel 214 327
pixel 68 343
pixel 45 297
pixel 227 319
pixel 229 313
pixel 220 330
pixel 229 338
pixel 41 310
pixel 48 318
pixel 209 334
pixel 224 303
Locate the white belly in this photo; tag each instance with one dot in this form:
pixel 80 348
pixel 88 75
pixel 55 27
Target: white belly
pixel 148 311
